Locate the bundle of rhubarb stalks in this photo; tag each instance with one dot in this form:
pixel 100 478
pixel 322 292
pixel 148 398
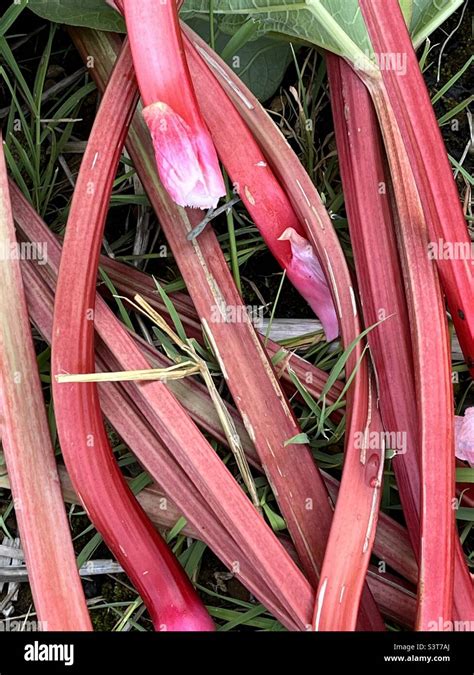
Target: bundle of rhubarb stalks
pixel 203 402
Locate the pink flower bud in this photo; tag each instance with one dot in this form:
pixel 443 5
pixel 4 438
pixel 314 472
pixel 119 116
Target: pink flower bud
pixel 305 273
pixel 464 436
pixel 186 159
pixel 185 155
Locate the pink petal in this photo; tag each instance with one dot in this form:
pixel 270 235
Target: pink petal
pixel 306 274
pixel 186 159
pixel 464 436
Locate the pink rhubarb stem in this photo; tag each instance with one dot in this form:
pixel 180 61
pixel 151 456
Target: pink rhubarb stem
pixel 367 188
pixel 177 432
pixel 342 577
pixel 131 281
pixel 433 175
pixel 124 413
pixel 391 542
pixel 298 486
pixel 163 75
pixel 57 592
pixel 166 590
pixel 263 196
pixel 131 419
pixel 185 155
pixel 210 284
pixel 367 199
pixel 432 382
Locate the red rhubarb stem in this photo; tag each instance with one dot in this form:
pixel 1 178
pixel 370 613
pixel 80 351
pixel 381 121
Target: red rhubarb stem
pixel 210 285
pixel 57 592
pixel 166 590
pixel 367 199
pixel 264 198
pixel 431 356
pixel 185 156
pixel 367 190
pixel 433 175
pixel 391 543
pixel 342 578
pixel 298 486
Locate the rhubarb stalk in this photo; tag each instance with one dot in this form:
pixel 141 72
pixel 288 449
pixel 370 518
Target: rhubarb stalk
pixel 182 474
pixel 391 542
pixel 257 186
pixel 433 384
pixel 185 156
pixel 367 199
pixel 190 393
pixel 130 281
pixel 169 595
pixel 298 485
pixel 432 172
pixel 434 391
pixel 342 578
pixel 367 188
pixel 176 430
pixel 39 508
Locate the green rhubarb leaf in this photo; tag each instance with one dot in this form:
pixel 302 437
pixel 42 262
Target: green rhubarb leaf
pixel 428 15
pixel 407 9
pixel 88 13
pixel 260 63
pixel 336 25
pixel 230 24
